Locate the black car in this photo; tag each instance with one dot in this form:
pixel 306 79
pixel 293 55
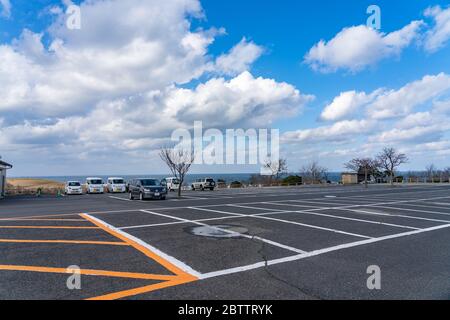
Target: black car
pixel 146 189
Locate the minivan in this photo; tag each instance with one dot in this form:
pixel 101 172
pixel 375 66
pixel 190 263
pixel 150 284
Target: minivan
pixel 94 185
pixel 116 184
pixel 147 189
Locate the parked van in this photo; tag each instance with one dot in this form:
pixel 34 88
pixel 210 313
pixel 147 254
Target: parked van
pixel 116 184
pixel 94 185
pixel 172 184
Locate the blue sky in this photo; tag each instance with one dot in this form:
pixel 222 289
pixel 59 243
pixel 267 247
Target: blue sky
pixel 157 67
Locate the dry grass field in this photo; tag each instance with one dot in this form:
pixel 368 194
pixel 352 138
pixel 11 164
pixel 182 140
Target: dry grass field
pixel 16 186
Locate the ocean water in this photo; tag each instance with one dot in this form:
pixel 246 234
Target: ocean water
pixel 242 177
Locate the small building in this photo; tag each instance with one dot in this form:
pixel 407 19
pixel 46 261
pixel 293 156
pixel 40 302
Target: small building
pixel 349 178
pixel 3 167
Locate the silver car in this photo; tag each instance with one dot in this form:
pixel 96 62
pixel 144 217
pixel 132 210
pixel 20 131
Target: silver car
pixel 204 183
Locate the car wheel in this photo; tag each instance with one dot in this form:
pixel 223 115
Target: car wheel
pixel 201 188
pixel 212 189
pixel 193 188
pixel 163 198
pixel 131 196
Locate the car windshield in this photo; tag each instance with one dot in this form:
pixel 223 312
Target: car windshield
pixel 176 181
pixel 74 184
pixel 96 182
pixel 118 181
pixel 150 182
pixel 209 180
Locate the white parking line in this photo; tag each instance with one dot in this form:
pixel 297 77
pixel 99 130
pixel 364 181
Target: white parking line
pixel 426 206
pixel 352 219
pixel 277 244
pixel 300 224
pixel 177 222
pixel 215 211
pixel 119 198
pixel 413 210
pixel 316 253
pixel 394 215
pixel 255 208
pixel 181 265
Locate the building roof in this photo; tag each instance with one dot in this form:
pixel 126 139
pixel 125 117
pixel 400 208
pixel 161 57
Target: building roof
pixel 5 165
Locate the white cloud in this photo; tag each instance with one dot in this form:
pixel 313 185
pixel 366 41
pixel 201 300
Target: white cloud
pixel 243 100
pixel 394 103
pixel 6 8
pixel 416 120
pixel 239 59
pixel 356 48
pixel 116 84
pixel 346 103
pixel 439 34
pixel 413 134
pixel 339 131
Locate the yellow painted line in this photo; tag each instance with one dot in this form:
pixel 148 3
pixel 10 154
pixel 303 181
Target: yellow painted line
pixel 90 272
pixel 166 264
pixel 141 290
pixel 45 227
pixel 24 219
pixel 65 242
pixel 42 216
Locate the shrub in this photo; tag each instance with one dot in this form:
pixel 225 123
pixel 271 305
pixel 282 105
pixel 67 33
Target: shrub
pixel 236 184
pixel 292 180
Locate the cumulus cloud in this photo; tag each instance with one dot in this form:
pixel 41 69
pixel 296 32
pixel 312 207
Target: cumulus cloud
pixel 413 134
pixel 244 99
pixel 240 58
pixel 345 104
pixel 119 83
pixel 439 34
pixel 386 103
pixel 339 131
pixel 356 48
pixel 394 103
pixel 6 8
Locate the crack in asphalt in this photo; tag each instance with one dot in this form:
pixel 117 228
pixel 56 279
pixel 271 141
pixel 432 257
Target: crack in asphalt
pixel 275 277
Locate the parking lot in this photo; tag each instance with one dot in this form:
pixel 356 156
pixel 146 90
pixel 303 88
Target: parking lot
pixel 271 243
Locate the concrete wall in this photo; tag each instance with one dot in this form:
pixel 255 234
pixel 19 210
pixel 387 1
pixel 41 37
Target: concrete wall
pixel 348 178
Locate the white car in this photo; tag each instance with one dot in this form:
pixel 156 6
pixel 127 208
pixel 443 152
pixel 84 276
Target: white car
pixel 116 184
pixel 94 185
pixel 172 184
pixel 73 187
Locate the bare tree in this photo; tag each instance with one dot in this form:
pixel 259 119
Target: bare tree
pixel 446 174
pixel 179 162
pixel 313 172
pixel 366 165
pixel 390 159
pixel 276 168
pixel 431 172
